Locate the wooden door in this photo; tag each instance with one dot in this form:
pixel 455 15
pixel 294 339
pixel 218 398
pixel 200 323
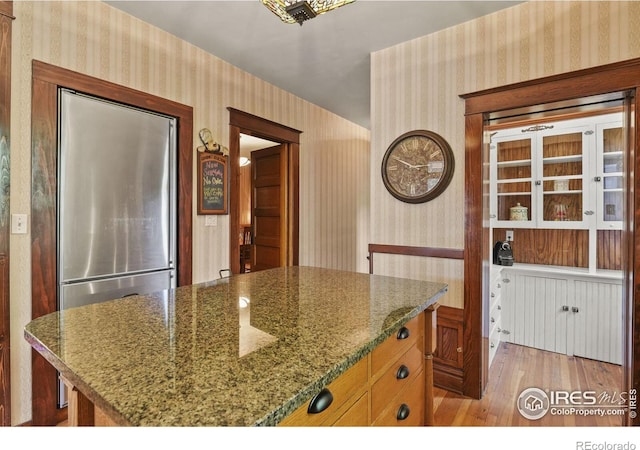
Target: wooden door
pixel 269 207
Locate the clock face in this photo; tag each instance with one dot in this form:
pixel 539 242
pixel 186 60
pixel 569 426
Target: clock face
pixel 417 166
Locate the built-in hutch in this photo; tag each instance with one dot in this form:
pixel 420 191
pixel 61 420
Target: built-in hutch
pixel 556 193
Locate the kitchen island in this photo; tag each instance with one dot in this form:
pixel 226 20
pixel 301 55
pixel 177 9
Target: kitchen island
pixel 248 350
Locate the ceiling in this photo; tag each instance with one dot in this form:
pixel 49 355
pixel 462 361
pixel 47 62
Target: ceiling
pixel 326 61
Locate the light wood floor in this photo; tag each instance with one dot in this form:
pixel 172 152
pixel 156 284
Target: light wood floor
pixel 516 368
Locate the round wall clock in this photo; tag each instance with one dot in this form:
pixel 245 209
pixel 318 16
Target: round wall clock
pixel 417 166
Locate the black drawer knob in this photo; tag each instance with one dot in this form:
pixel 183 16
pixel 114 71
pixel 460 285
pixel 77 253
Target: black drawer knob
pixel 320 402
pixel 402 373
pixel 403 412
pixel 403 333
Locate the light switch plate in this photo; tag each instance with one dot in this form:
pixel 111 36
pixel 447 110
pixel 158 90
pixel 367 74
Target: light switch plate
pixel 18 224
pixel 211 221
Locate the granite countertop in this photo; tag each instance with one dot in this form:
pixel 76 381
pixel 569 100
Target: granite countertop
pixel 241 351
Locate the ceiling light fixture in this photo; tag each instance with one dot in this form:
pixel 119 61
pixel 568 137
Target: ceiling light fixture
pixel 296 11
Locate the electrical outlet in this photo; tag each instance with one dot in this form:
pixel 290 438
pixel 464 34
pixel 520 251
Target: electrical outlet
pixel 211 221
pixel 18 224
pixel 509 235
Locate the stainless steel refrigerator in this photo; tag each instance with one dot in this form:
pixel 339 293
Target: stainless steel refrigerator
pixel 116 201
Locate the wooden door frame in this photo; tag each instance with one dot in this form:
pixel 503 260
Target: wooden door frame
pixel 616 77
pixel 46 79
pixel 6 19
pixel 244 123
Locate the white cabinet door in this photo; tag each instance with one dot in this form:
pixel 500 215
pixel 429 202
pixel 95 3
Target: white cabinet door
pixel 597 321
pixel 533 312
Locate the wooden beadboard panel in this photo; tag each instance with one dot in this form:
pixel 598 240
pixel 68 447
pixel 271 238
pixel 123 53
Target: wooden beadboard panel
pixel 548 247
pixel 564 247
pixel 609 250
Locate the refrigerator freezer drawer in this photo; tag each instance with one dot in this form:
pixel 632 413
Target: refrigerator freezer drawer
pixel 89 292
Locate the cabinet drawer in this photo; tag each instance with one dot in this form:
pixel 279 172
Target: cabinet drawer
pixel 411 400
pixel 342 389
pixel 391 382
pixel 357 415
pixel 397 344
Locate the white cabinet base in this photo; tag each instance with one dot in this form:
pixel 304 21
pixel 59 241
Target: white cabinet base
pixel 570 313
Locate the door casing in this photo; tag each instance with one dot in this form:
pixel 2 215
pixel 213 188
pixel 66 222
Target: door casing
pixel 244 123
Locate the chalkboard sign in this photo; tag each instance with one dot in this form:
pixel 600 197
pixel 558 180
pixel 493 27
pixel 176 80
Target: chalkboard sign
pixel 212 183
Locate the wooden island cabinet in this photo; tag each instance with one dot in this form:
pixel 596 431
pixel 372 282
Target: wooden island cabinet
pixel 388 387
pixel 287 346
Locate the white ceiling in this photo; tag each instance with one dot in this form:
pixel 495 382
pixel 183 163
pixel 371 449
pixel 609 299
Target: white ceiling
pixel 326 60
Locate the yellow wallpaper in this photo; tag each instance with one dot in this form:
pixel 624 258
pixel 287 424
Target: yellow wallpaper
pixel 93 38
pixel 416 85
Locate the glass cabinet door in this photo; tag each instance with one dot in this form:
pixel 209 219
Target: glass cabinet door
pixel 513 167
pixel 562 176
pixel 609 175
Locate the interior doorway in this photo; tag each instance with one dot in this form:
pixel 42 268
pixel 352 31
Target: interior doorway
pixel 556 221
pixel 272 241
pixel 617 77
pixel 250 149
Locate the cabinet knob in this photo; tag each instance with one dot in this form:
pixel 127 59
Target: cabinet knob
pixel 493 345
pixel 402 373
pixel 589 213
pixel 538 182
pixel 320 402
pixel 493 320
pixel 403 333
pixel 565 308
pixel 459 349
pixel 403 412
pixel 575 309
pixel 597 179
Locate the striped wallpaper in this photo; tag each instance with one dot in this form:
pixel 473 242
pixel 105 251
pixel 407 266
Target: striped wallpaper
pixel 96 39
pixel 416 85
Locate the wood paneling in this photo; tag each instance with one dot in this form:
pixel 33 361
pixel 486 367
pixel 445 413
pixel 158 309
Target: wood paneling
pixel 448 363
pixel 549 247
pixel 610 250
pixel 46 81
pixel 6 11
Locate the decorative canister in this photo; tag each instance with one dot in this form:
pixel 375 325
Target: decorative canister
pixel 518 212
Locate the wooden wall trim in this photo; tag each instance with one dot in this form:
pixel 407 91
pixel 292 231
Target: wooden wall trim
pixel 6 18
pixel 566 86
pixel 260 127
pixel 46 79
pixel 6 9
pixel 475 348
pixel 433 252
pixel 617 77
